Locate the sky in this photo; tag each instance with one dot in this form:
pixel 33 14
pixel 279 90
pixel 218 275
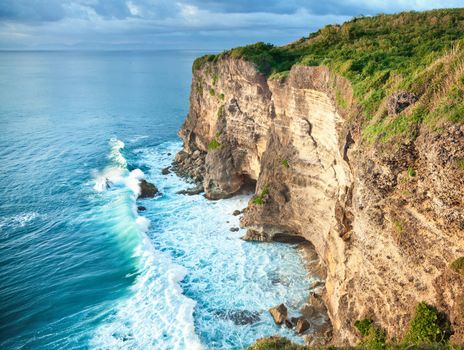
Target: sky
pixel 176 24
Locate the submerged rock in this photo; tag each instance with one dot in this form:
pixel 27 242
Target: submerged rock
pixel 236 212
pixel 166 171
pixel 192 191
pixel 234 229
pixel 239 317
pixel 141 208
pixel 279 313
pixel 147 189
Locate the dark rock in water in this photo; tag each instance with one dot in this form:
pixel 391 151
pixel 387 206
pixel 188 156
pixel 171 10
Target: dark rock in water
pixel 141 208
pixel 279 313
pixel 288 323
pixel 166 170
pixel 147 189
pixel 239 317
pixel 302 325
pixel 192 191
pixel 236 212
pixel 234 229
pixel 169 153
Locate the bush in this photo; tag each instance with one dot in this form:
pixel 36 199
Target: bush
pixel 275 343
pixel 363 326
pixel 259 199
pixel 411 172
pixel 213 145
pixel 285 164
pixel 458 265
pixel 212 92
pixel 427 326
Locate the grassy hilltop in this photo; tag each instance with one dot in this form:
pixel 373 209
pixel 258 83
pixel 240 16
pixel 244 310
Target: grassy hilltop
pixel 422 53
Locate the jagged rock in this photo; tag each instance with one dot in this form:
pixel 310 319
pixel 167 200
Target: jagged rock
pixel 192 191
pixel 196 154
pixel 236 212
pixel 141 208
pixel 301 325
pixel 166 171
pixel 279 313
pixel 147 189
pixel 234 229
pixel 399 101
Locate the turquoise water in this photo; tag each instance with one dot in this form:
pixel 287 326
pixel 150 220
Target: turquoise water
pixel 80 268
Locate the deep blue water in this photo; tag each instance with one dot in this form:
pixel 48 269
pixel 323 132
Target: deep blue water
pixel 79 267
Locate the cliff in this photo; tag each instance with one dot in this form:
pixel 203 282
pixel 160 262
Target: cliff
pixel 381 199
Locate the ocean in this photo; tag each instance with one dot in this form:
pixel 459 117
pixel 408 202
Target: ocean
pixel 80 267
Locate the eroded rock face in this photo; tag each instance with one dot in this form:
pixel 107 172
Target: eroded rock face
pixel 385 238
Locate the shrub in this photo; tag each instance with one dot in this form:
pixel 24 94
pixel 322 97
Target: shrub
pixel 212 92
pixel 275 343
pixel 427 326
pixel 214 144
pixel 460 163
pixel 221 97
pixel 285 164
pixel 363 326
pixel 220 111
pixel 458 265
pixel 373 337
pixel 259 199
pixel 411 172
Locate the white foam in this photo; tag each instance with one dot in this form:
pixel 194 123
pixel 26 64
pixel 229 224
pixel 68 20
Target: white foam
pixel 19 220
pixel 156 315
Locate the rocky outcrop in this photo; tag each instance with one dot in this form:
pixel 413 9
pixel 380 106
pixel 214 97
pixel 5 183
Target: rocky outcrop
pixel 385 219
pixel 147 189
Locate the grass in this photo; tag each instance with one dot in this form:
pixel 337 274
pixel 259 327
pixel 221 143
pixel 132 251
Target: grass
pixel 221 97
pixel 212 92
pixel 285 164
pixel 419 52
pixel 458 265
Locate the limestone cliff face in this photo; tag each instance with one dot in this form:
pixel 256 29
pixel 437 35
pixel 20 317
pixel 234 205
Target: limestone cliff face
pixel 386 238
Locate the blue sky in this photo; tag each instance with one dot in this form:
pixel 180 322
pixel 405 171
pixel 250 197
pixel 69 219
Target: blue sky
pixel 192 24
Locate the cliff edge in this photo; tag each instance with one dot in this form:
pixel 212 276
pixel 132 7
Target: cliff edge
pixel 375 183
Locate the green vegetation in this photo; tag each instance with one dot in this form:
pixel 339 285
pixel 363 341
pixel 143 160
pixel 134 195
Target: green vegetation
pixel 422 53
pixel 458 265
pixel 427 326
pixel 285 164
pixel 275 343
pixel 212 92
pixel 363 326
pixel 221 97
pixel 214 144
pixel 220 111
pixel 341 102
pixel 259 199
pixel 215 79
pixel 411 171
pixel 460 163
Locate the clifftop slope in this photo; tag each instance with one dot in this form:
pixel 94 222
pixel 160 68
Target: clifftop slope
pixel 354 139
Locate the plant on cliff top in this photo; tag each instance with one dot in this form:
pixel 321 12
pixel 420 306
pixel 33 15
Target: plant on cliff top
pixel 458 265
pixel 427 326
pixel 373 337
pixel 419 52
pixel 214 144
pixel 275 343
